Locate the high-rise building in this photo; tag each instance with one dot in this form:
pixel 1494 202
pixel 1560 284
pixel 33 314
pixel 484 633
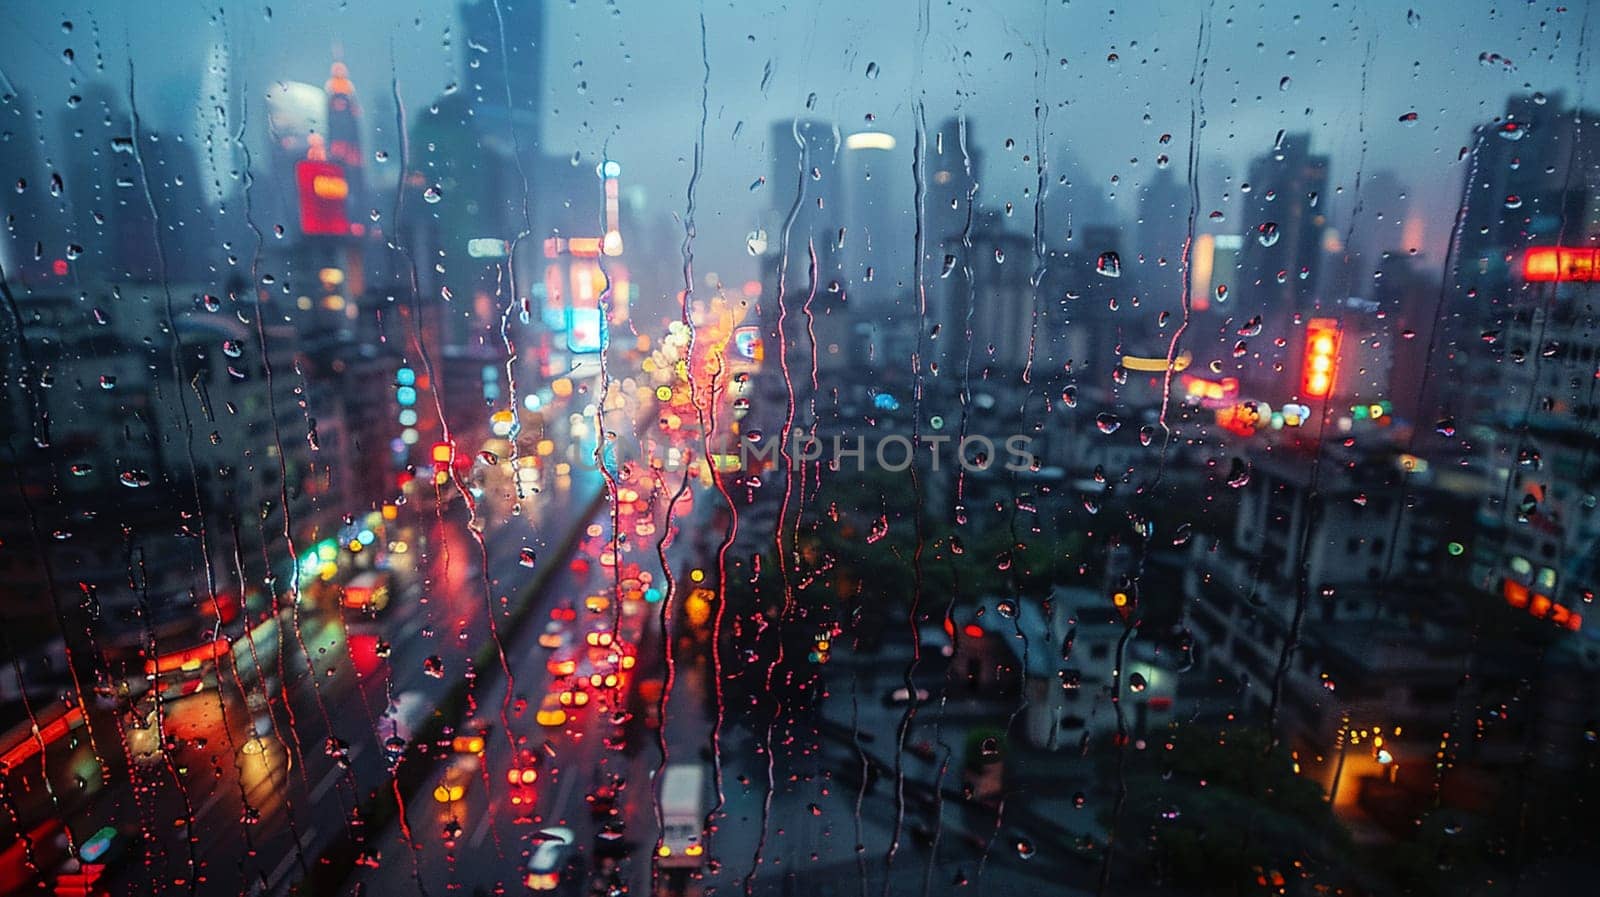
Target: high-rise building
pixel 807 202
pixel 1284 217
pixel 1163 229
pixel 505 64
pixel 878 226
pixel 344 141
pixel 25 204
pixel 1529 182
pixel 985 309
pixel 955 168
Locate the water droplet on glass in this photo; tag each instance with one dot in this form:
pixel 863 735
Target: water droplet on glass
pixel 1267 233
pixel 1109 264
pixel 1239 473
pixel 1107 422
pixel 433 194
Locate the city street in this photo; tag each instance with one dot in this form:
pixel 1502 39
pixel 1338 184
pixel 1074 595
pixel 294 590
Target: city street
pixel 270 766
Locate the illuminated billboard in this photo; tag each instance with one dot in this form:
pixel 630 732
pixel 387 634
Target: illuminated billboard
pixel 586 330
pixel 1560 264
pixel 323 190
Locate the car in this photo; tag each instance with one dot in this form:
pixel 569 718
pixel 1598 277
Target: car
pixel 603 799
pixel 551 714
pixel 549 858
pixel 521 776
pixel 573 696
pixel 457 776
pixel 900 695
pixel 610 839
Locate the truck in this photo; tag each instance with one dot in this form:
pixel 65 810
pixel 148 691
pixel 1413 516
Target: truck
pixel 682 818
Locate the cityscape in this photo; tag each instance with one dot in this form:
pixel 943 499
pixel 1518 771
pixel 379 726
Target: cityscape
pixel 500 447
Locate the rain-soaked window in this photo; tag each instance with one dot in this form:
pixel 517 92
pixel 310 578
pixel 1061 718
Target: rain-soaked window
pixel 815 449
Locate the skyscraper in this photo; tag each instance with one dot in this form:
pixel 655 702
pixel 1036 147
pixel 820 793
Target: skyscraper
pixel 505 64
pixel 879 229
pixel 1284 217
pixel 955 168
pixel 805 183
pixel 1529 182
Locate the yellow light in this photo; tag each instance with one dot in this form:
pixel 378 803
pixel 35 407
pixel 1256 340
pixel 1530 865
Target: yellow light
pixel 330 277
pixel 1120 599
pixel 1156 365
pixel 1322 345
pixel 664 393
pixel 663 851
pixel 869 140
pixel 1321 364
pixel 697 575
pixel 329 187
pixel 693 850
pixel 390 512
pixel 561 387
pixel 546 448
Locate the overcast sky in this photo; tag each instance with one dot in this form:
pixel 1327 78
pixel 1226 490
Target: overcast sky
pixel 1114 77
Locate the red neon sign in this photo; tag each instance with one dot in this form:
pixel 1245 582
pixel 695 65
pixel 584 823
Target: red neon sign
pixel 323 190
pixel 1521 597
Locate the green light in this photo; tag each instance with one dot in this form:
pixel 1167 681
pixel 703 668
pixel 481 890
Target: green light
pixel 1455 549
pixel 96 845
